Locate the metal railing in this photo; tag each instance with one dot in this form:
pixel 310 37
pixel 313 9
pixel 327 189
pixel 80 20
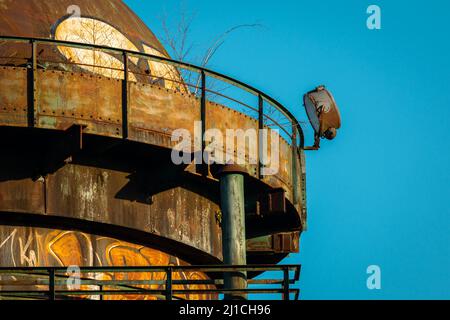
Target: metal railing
pixel 292 129
pixel 161 282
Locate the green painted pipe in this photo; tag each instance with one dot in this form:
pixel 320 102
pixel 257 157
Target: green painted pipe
pixel 233 231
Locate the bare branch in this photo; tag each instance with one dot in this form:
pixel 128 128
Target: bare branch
pixel 220 40
pixel 177 41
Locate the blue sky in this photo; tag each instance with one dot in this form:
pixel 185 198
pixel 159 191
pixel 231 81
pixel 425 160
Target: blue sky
pixel 377 194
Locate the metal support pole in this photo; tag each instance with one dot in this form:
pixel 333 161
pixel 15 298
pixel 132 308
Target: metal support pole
pixel 286 284
pixel 233 228
pixel 203 166
pixel 169 284
pixel 260 138
pixel 125 97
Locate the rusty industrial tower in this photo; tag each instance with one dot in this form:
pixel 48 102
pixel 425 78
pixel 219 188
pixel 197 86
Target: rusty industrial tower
pixel 89 99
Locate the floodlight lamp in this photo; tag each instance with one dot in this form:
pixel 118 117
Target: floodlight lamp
pixel 323 114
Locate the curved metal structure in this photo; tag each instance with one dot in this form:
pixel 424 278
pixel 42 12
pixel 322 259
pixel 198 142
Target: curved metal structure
pixel 87 142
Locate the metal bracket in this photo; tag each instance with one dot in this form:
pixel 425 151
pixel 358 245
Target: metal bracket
pixel 61 152
pixel 273 202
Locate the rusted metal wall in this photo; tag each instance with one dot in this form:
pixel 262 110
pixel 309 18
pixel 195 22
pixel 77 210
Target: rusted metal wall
pixel 13 96
pixel 275 243
pixel 66 98
pixel 105 196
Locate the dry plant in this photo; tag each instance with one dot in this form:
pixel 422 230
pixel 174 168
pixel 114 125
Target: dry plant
pixel 176 38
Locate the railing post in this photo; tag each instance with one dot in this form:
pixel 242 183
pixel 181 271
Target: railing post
pixel 286 284
pixel 203 166
pixel 260 138
pixel 32 77
pixel 169 284
pixel 51 284
pixel 294 163
pixel 125 96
